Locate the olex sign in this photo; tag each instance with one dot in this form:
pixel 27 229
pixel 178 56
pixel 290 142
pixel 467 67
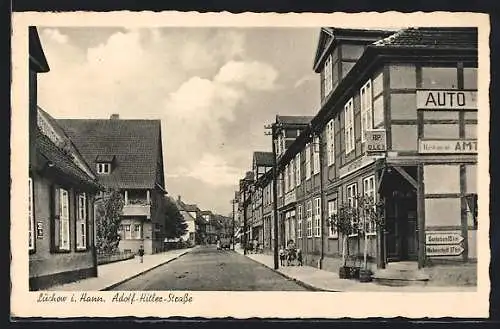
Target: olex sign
pixel 446 100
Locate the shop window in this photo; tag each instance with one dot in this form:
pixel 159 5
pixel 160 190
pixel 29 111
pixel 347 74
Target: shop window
pixel 402 76
pixel 442 212
pixel 471 131
pixel 378 84
pixel 440 115
pixel 441 131
pixel 404 137
pixel 346 67
pixel 378 112
pixel 352 51
pixel 470 78
pixel 441 179
pixel 471 178
pixel 439 78
pixel 403 107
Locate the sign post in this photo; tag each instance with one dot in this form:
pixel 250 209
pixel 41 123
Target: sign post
pixel 443 243
pixel 375 140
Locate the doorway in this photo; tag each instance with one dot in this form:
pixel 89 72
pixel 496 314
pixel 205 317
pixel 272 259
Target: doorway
pixel 401 218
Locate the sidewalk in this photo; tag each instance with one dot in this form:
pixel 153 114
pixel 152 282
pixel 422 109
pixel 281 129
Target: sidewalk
pixel 113 274
pixel 321 280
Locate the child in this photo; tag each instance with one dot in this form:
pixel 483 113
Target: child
pixel 141 253
pixel 282 256
pixel 299 257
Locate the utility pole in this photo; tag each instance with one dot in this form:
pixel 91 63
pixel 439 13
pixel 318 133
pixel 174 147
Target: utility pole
pixel 273 128
pixel 234 238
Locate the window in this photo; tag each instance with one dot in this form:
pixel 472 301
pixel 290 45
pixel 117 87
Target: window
pixel 316 155
pixel 369 192
pixel 352 192
pixel 291 181
pixel 81 222
pixel 297 169
pixel 308 160
pixel 31 216
pixel 285 178
pixel 366 108
pixel 280 185
pixel 332 211
pixel 327 76
pixel 63 219
pixel 378 84
pixel 471 202
pixel 330 142
pixel 349 126
pixel 317 217
pixel 299 221
pixel 439 77
pixel 137 231
pixel 103 168
pixel 127 234
pixel 309 218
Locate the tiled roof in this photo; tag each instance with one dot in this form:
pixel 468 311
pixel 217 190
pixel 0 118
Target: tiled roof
pixel 61 160
pixel 294 119
pixel 134 143
pixel 426 37
pixel 263 158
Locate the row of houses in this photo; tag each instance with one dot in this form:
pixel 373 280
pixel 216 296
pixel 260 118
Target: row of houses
pixel 398 123
pixel 73 164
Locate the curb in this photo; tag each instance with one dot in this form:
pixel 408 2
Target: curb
pixel 297 281
pixel 145 271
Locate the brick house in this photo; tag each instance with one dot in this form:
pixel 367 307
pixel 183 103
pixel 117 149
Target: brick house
pixel 127 156
pixel 62 189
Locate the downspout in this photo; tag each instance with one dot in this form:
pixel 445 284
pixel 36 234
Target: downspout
pixel 322 191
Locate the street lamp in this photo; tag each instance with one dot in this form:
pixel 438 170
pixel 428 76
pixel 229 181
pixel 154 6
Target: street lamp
pixel 234 201
pixel 273 127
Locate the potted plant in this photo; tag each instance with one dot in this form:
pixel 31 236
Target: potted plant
pixel 342 222
pixel 371 214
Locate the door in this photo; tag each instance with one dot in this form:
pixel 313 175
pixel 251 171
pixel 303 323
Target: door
pixel 401 228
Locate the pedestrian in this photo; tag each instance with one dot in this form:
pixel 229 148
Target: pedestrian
pixel 255 245
pixel 141 253
pixel 282 256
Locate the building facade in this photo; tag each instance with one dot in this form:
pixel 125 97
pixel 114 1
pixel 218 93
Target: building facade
pixel 397 124
pixel 189 212
pixel 127 156
pixel 62 189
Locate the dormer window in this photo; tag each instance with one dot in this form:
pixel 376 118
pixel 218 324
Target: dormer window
pixel 104 164
pixel 104 168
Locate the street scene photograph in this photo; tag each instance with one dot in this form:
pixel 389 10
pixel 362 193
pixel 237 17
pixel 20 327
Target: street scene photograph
pixel 327 158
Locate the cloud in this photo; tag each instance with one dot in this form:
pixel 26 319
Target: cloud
pixel 213 170
pixel 55 35
pixel 303 80
pixel 253 75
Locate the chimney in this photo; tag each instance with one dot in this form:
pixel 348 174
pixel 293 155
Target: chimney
pixel 114 116
pixel 179 198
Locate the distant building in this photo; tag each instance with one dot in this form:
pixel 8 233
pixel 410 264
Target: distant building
pixel 128 156
pixel 189 212
pixel 62 188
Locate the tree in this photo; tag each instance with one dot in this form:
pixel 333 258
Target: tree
pixel 175 225
pixel 108 218
pixel 342 221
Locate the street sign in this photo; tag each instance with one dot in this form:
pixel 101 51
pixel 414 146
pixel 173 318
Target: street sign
pixel 375 140
pixel 444 250
pixel 453 237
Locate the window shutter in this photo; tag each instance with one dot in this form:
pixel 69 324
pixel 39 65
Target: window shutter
pixel 55 216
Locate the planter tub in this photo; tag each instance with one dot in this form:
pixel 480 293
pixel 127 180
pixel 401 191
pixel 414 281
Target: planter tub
pixel 365 275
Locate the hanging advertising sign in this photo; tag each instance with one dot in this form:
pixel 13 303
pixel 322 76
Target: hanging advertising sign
pixel 464 146
pixel 375 141
pixel 446 100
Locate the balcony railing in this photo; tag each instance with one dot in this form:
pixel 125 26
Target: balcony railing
pixel 137 208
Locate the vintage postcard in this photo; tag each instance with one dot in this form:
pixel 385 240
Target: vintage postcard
pixel 250 165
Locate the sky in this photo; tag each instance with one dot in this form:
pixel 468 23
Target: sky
pixel 214 89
